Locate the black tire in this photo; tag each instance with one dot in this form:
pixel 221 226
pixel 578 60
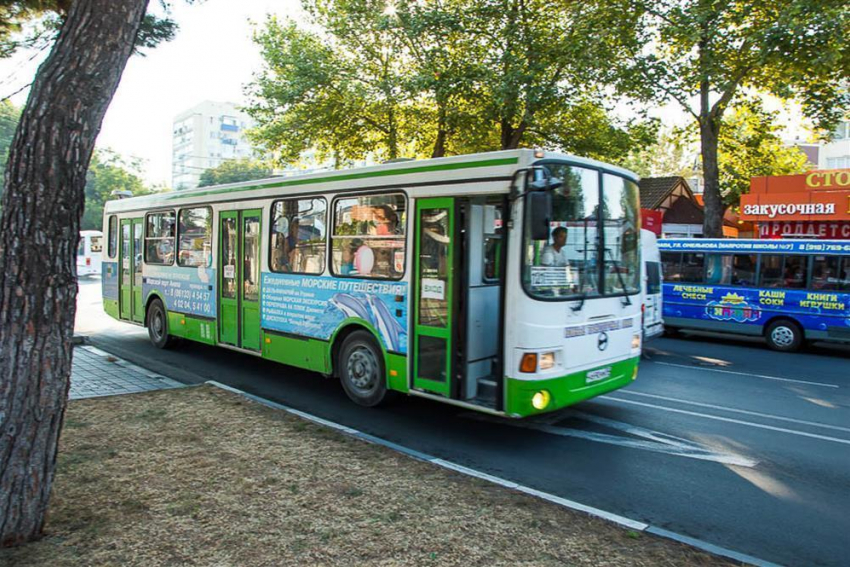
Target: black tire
pixel 361 370
pixel 157 324
pixel 784 335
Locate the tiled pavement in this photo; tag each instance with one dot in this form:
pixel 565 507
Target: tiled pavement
pixel 97 373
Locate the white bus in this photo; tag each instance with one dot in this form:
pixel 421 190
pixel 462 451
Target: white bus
pixel 652 303
pixel 89 253
pixel 480 280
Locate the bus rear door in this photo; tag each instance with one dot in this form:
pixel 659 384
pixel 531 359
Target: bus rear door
pixel 130 284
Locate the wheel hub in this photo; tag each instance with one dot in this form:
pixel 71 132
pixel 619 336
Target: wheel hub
pixel 362 369
pixel 782 336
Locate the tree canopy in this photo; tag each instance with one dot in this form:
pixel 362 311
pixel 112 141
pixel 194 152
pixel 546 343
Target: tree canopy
pixel 705 55
pixel 109 172
pixel 393 79
pixel 234 171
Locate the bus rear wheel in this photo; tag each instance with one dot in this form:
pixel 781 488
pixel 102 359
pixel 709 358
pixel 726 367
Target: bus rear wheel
pixel 784 335
pixel 157 324
pixel 361 370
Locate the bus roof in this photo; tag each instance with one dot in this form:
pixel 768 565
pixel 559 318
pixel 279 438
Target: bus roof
pixel 787 246
pixel 499 167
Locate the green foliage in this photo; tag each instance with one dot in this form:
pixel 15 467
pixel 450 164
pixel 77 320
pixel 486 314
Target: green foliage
pixel 9 115
pixel 706 55
pixel 672 153
pixel 369 77
pixel 44 18
pixel 750 146
pixel 109 172
pixel 234 171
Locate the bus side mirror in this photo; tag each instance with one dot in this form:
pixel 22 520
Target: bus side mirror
pixel 539 205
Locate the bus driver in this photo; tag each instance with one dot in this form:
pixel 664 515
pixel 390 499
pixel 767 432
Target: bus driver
pixel 555 254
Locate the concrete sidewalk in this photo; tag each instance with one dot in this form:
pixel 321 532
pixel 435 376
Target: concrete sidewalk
pixel 96 373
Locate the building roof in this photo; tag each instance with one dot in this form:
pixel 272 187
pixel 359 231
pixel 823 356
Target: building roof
pixel 655 190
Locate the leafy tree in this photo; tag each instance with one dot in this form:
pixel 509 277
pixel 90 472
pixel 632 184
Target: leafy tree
pixel 234 171
pixel 108 172
pixel 672 153
pixel 707 53
pixel 43 199
pixel 435 78
pixel 750 146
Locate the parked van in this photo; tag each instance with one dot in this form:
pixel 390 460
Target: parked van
pixel 89 253
pixel 651 293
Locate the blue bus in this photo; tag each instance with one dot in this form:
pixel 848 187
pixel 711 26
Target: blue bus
pixel 789 291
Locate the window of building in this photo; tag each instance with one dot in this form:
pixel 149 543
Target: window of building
pixel 159 238
pixel 841 131
pixel 298 236
pixel 838 162
pixel 368 236
pixel 112 236
pixel 194 235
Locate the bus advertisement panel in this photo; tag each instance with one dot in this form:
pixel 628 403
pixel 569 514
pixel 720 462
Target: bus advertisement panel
pixel 789 291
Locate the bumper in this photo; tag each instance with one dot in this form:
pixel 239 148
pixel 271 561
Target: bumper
pixel 567 390
pixel 653 331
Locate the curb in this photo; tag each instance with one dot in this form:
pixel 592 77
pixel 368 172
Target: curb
pixel 570 504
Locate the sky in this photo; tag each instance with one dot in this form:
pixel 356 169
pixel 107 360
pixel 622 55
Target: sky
pixel 211 58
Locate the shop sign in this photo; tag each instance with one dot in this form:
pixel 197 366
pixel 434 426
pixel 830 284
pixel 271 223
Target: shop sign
pixel 797 229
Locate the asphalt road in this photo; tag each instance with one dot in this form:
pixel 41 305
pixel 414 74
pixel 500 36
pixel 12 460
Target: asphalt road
pixel 718 439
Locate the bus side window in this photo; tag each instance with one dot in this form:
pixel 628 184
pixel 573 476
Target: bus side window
pixel 719 269
pixel 825 273
pixel 771 270
pixel 744 269
pixel 693 267
pixel 672 263
pixel 794 272
pixel 113 236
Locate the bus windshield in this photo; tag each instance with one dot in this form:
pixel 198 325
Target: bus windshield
pixel 578 260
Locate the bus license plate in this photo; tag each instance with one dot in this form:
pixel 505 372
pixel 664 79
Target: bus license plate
pixel 597 375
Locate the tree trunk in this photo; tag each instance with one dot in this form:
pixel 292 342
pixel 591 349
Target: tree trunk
pixel 43 199
pixel 442 133
pixel 709 130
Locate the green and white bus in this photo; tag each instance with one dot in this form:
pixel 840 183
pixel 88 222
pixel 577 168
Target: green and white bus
pixel 482 281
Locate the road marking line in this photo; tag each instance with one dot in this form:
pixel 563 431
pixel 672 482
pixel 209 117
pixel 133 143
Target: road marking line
pixel 747 412
pixel 689 367
pixel 730 420
pixel 655 441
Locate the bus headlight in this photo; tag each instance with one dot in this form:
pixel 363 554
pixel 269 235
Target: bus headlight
pixel 541 399
pixel 546 361
pixel 635 342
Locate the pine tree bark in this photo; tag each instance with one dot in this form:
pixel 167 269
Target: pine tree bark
pixel 43 197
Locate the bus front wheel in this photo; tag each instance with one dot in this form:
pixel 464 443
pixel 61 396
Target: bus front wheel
pixel 157 324
pixel 361 370
pixel 784 335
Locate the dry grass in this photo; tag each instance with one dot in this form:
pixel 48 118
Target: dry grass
pixel 200 476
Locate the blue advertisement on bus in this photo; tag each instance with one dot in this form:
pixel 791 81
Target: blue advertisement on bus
pixel 314 306
pixel 185 290
pixel 109 280
pixel 756 246
pixel 814 310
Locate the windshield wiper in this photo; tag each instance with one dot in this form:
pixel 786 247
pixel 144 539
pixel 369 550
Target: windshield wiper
pixel 626 300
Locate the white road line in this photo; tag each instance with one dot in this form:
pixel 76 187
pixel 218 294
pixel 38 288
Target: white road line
pixel 746 412
pixel 690 367
pixel 655 441
pixel 730 420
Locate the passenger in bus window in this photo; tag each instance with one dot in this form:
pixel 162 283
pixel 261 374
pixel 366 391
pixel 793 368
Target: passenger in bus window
pixel 386 221
pixel 555 254
pixel 364 259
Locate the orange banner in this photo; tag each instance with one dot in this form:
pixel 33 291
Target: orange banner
pixel 801 206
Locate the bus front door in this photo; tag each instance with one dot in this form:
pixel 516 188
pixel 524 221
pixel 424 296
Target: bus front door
pixel 433 329
pixel 130 297
pixel 239 278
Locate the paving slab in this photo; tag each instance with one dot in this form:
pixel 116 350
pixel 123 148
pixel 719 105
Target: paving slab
pixel 97 373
